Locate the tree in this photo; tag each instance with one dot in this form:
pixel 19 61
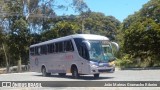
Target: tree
pixel 62 28
pixel 95 23
pixel 4 37
pixel 1 48
pixel 98 23
pixel 82 8
pixel 142 34
pixel 151 10
pixel 66 28
pixel 16 31
pixel 42 16
pixel 19 41
pixel 27 22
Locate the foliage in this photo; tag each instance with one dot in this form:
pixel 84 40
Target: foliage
pixel 142 34
pixel 27 22
pixel 19 39
pixel 66 28
pixel 125 62
pixel 94 23
pixel 80 6
pixel 98 23
pixel 62 28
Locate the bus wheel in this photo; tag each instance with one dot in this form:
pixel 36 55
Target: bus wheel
pixel 96 75
pixel 44 73
pixel 62 74
pixel 75 73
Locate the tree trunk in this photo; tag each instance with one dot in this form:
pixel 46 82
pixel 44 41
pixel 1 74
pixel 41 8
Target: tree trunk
pixel 19 64
pixel 6 58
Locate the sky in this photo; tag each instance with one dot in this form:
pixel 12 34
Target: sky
pixel 120 9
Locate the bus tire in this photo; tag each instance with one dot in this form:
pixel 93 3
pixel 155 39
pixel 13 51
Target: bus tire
pixel 62 74
pixel 75 74
pixel 96 75
pixel 44 73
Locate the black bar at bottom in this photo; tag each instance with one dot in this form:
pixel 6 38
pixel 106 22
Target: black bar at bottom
pixel 79 83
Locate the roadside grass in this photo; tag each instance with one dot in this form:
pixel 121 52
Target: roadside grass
pixel 129 62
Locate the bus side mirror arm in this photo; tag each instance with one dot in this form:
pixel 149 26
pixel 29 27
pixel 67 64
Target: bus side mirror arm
pixel 116 45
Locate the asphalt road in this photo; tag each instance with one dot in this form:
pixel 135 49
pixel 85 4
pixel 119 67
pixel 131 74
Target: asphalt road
pixel 120 75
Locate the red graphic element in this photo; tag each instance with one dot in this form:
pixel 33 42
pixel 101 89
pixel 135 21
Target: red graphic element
pixel 69 57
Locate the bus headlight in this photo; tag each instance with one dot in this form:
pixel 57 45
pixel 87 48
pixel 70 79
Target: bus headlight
pixel 94 66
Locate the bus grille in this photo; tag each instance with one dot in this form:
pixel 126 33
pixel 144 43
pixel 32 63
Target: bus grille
pixel 106 70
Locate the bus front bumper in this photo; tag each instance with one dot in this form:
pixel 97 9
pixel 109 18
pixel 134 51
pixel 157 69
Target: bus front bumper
pixel 102 70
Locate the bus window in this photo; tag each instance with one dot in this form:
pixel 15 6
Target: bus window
pixel 56 47
pixel 53 47
pixel 50 48
pixel 59 47
pixel 83 52
pixel 32 51
pixel 43 49
pixel 37 51
pixel 68 45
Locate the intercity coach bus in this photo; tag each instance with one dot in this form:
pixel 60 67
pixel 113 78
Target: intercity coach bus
pixel 79 54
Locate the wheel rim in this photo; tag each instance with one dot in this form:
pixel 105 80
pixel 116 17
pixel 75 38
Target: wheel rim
pixel 44 72
pixel 75 73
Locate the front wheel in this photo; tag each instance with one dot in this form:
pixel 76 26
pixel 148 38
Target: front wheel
pixel 75 73
pixel 96 75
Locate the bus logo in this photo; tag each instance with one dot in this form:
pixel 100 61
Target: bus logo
pixel 6 84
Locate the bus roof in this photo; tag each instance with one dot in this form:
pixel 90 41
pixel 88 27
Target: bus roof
pixel 84 36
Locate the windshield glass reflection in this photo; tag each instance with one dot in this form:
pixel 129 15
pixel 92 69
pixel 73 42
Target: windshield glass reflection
pixel 100 51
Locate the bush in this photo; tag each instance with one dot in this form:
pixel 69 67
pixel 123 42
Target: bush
pixel 125 61
pixel 142 61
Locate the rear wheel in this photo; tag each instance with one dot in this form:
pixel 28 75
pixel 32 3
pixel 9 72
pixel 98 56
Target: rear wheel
pixel 62 74
pixel 96 75
pixel 75 73
pixel 44 73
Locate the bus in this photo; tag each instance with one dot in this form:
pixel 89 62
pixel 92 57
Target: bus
pixel 78 54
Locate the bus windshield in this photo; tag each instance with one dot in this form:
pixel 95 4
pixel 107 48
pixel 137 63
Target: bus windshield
pixel 100 51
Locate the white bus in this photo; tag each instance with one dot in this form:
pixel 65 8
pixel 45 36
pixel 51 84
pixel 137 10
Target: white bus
pixel 79 54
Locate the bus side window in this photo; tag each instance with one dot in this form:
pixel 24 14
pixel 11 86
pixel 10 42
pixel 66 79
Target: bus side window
pixel 56 47
pixel 60 47
pixel 37 50
pixel 50 48
pixel 32 51
pixel 44 49
pixel 53 48
pixel 68 45
pixel 83 52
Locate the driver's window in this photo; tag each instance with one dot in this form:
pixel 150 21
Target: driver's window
pixel 82 50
